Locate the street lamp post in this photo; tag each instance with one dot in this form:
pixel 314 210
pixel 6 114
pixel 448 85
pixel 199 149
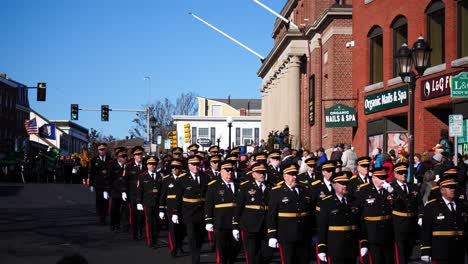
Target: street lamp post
pixel 152 122
pixel 229 121
pixel 419 56
pixel 148 108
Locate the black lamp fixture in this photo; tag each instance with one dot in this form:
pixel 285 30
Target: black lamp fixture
pixel 419 55
pixel 229 122
pixel 152 122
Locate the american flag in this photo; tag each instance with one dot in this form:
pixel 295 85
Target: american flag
pixel 31 126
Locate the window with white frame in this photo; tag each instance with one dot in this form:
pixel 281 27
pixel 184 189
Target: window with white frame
pixel 247 136
pixel 203 132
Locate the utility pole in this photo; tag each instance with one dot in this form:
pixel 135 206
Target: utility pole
pixel 148 109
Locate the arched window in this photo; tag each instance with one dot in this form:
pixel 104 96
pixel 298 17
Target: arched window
pixel 375 55
pixel 400 36
pixel 462 30
pixel 435 19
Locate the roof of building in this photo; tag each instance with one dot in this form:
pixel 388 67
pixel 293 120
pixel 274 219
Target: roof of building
pixel 67 123
pixel 241 103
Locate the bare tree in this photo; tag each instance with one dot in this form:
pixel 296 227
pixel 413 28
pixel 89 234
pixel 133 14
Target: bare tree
pixel 186 104
pixel 162 111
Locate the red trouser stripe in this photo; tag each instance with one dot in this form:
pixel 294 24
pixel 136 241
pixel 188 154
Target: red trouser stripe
pixel 147 229
pixel 396 254
pixel 171 245
pixel 218 257
pixel 245 248
pixel 130 221
pixel 210 238
pixel 281 253
pixel 316 253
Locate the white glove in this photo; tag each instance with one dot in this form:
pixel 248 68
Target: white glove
pixel 209 227
pixel 161 216
pixel 426 258
pixel 322 256
pixel 387 187
pixel 91 188
pixel 420 221
pixel 273 243
pixel 364 251
pixel 235 234
pixel 175 219
pixel 139 207
pixel 106 195
pixel 124 197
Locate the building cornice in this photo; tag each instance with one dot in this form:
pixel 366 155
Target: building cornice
pixel 287 9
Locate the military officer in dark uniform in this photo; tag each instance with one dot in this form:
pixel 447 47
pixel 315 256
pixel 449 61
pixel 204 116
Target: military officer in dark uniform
pixel 445 226
pixel 193 149
pixel 311 175
pixel 289 218
pixel 99 181
pixel 133 170
pixel 116 182
pixel 219 211
pixel 165 168
pixel 375 203
pixel 213 150
pixel 168 206
pixel 213 172
pixel 191 202
pixel 274 170
pixel 177 153
pixel 459 191
pixel 338 223
pixel 250 216
pixel 322 188
pixel 147 198
pixel 362 176
pixel 406 204
pixel 338 164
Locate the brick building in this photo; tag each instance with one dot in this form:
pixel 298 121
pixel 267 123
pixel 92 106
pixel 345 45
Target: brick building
pixel 379 29
pixel 308 71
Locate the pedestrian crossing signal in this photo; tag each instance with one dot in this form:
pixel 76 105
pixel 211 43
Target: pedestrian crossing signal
pixel 104 113
pixel 41 91
pixel 74 112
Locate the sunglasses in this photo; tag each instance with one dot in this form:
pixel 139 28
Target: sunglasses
pixel 215 162
pixel 229 170
pixel 452 187
pixel 402 172
pixel 327 170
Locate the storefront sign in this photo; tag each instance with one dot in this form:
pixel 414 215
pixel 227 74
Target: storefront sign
pixel 437 87
pixel 391 98
pixel 340 116
pixel 459 85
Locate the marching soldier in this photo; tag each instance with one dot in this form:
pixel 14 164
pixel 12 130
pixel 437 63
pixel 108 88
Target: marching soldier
pixel 274 171
pixel 289 218
pixel 338 222
pixel 406 204
pixel 322 188
pixel 133 170
pixel 165 168
pixel 116 182
pixel 99 182
pixel 147 199
pixel 362 176
pixel 213 150
pixel 193 149
pixel 191 201
pixel 375 204
pixel 459 192
pixel 213 172
pixel 250 216
pixel 444 226
pixel 219 211
pixel 177 154
pixel 311 175
pixel 168 206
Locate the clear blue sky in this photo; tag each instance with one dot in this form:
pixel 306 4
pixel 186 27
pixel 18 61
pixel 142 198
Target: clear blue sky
pixel 94 52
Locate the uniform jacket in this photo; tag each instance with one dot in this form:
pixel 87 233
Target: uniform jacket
pixel 191 198
pixel 305 178
pixel 289 214
pixel 131 175
pixel 148 189
pixel 220 204
pixel 406 209
pixel 319 190
pixel 169 190
pixel 274 176
pixel 355 182
pixel 99 174
pixel 252 207
pixel 116 179
pixel 338 227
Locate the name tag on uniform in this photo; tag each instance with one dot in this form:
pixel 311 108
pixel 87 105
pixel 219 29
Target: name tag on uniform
pixel 171 185
pixel 440 217
pixel 155 190
pixel 285 200
pixel 370 201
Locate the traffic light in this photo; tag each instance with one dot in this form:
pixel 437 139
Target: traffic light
pixel 173 137
pixel 187 136
pixel 41 91
pixel 105 113
pixel 74 112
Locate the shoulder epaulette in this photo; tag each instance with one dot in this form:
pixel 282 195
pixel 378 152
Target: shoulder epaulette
pixel 303 182
pixel 353 177
pixel 249 172
pixel 430 201
pixel 316 182
pixel 244 182
pixel 364 184
pixel 435 187
pixel 326 197
pixel 164 177
pixel 182 174
pixel 276 187
pixel 211 182
pixel 279 183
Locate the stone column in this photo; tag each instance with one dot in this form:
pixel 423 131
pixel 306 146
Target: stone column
pixel 283 100
pixel 294 99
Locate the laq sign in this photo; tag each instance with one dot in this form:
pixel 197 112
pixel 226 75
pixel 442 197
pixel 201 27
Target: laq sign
pixel 459 84
pixel 388 99
pixel 340 116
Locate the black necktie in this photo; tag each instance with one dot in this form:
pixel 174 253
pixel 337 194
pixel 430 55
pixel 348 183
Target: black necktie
pixel 381 192
pixel 405 189
pixel 295 191
pixel 343 200
pixel 365 179
pixel 452 208
pixel 153 176
pixel 232 188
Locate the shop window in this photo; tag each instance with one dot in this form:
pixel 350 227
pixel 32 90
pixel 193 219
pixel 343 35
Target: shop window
pixel 376 55
pixel 400 36
pixel 213 135
pixel 462 24
pixel 238 136
pixel 435 19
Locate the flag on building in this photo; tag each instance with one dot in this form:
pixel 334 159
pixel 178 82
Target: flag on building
pixel 31 126
pixel 47 131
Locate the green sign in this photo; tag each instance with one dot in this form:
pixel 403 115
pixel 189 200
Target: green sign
pixel 340 116
pixel 388 99
pixel 459 85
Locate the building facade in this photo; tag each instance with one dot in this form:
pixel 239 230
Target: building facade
pixel 74 138
pixel 379 29
pixel 307 72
